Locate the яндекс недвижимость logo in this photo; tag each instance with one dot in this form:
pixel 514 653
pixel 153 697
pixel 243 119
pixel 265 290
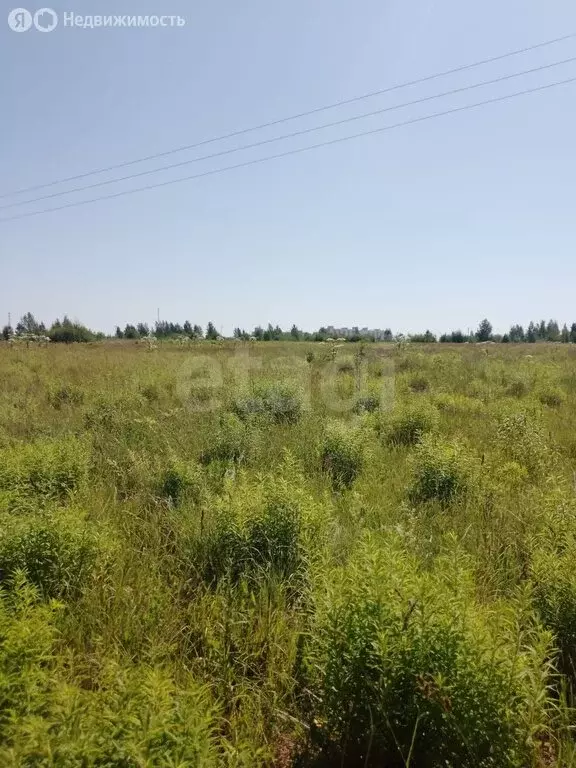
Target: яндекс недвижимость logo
pixel 46 20
pixel 21 20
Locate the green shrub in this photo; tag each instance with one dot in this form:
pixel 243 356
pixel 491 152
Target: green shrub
pixel 418 383
pixel 456 404
pixel 405 667
pixel 551 397
pixel 65 395
pixel 229 443
pixel 57 554
pixel 521 438
pixel 410 423
pixel 269 541
pixel 517 388
pixel 366 404
pixel 341 454
pixel 181 481
pixel 45 470
pixel 268 525
pixel 280 402
pixel 554 579
pixel 27 638
pixel 151 391
pixel 132 716
pixel 440 472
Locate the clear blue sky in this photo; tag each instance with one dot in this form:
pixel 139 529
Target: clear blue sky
pixel 434 225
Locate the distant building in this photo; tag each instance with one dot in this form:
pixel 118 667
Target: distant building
pixel 368 333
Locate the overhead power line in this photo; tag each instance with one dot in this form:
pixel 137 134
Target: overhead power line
pixel 296 151
pixel 316 110
pixel 292 135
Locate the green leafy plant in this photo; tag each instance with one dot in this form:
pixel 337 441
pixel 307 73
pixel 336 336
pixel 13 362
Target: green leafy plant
pixel 45 470
pixel 56 553
pixel 552 397
pixel 230 442
pixel 440 472
pixel 408 424
pixel 366 404
pixel 407 668
pixel 280 402
pixel 418 383
pixel 181 481
pixel 342 454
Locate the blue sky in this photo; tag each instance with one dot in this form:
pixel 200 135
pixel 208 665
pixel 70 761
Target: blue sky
pixel 433 225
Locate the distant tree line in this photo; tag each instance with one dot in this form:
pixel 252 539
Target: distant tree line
pixel 535 331
pixel 68 331
pixel 165 330
pixel 65 330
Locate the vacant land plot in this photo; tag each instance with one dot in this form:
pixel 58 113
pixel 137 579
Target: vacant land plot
pixel 287 554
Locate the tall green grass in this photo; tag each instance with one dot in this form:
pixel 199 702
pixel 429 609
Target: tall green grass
pixel 287 555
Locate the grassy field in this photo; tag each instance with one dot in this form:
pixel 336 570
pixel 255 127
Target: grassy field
pixel 288 555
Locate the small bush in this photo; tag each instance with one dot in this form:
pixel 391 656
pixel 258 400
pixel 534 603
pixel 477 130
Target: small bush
pixel 366 404
pixel 181 481
pixel 56 555
pixel 554 584
pixel 404 662
pixel 520 438
pixel 267 526
pixel 418 383
pixel 66 395
pixel 46 469
pixel 517 388
pixel 268 541
pixel 131 716
pixel 456 404
pixel 28 636
pixel 151 392
pixel 440 472
pixel 409 424
pixel 229 443
pixel 280 402
pixel 341 454
pixel 551 397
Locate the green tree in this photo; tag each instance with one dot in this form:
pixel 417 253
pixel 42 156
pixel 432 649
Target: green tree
pixel 295 333
pixel 29 324
pixel 7 332
pixel 484 332
pixel 423 338
pixel 565 334
pixel 67 332
pixel 542 331
pixel 573 333
pixel 516 334
pixel 552 331
pixel 130 332
pixel 455 337
pixel 211 332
